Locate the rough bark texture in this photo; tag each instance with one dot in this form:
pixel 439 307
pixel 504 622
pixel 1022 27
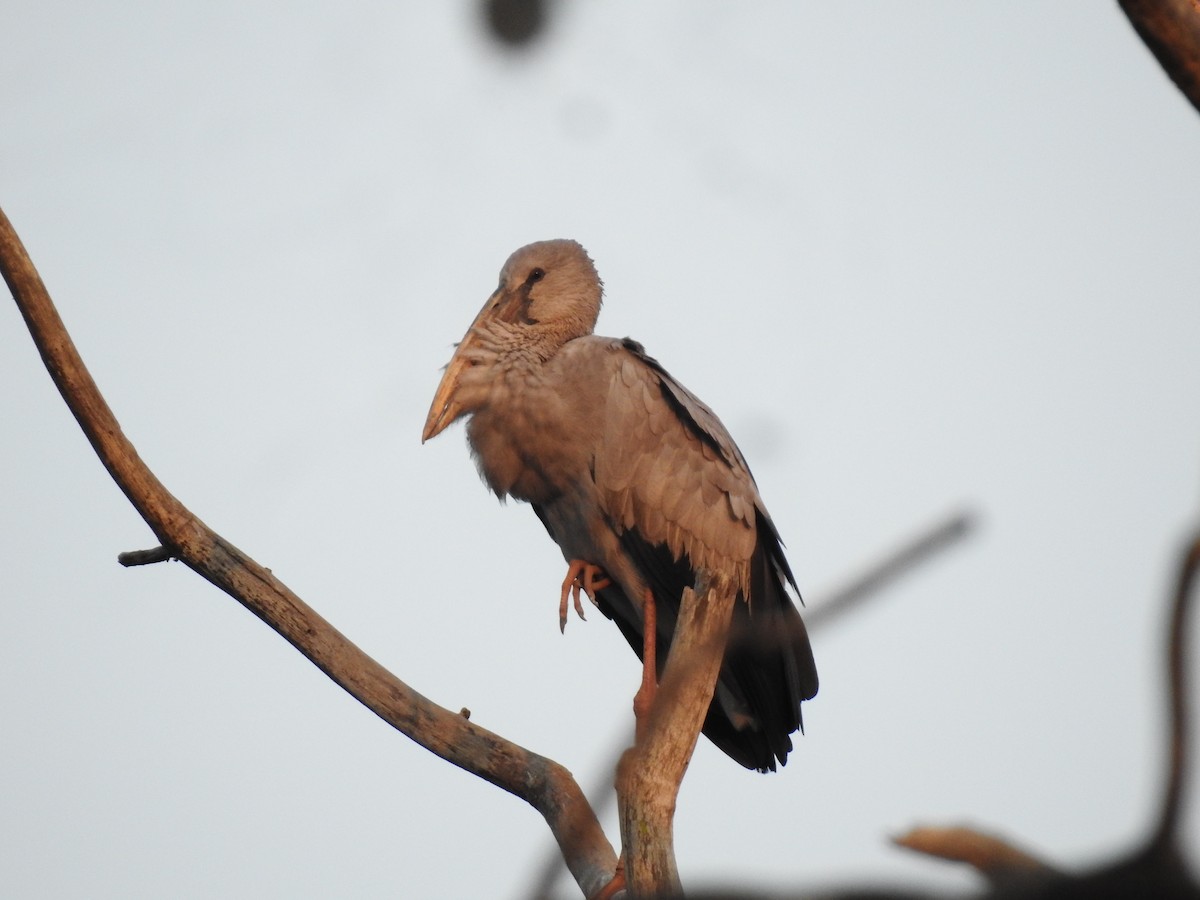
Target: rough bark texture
pixel 650 773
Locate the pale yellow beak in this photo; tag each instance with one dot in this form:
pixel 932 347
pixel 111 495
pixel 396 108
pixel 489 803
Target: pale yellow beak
pixel 445 407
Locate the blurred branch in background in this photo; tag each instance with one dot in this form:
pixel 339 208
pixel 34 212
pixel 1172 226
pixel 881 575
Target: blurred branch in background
pixel 1157 871
pixel 875 578
pixel 1159 868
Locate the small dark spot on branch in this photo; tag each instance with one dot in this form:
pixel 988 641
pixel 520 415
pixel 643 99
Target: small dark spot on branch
pixel 145 557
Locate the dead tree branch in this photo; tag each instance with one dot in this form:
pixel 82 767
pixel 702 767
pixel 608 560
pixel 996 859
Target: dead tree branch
pixel 912 553
pixel 1178 696
pixel 994 858
pixel 1159 868
pixel 1171 29
pixel 541 782
pixel 650 773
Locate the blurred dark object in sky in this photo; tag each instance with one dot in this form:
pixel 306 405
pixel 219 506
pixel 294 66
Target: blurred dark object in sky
pixel 515 23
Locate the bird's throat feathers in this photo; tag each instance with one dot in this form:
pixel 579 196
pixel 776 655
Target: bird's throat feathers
pixel 531 417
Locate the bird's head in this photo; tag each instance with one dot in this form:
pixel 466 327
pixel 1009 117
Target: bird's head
pixel 551 286
pixel 549 293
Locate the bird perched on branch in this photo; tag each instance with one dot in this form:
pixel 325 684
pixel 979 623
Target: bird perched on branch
pixel 639 484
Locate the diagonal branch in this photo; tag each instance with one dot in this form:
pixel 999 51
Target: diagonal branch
pixel 1171 30
pixel 541 782
pixel 993 857
pixel 887 569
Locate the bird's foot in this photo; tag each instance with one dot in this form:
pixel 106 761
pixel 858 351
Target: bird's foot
pixel 617 884
pixel 581 576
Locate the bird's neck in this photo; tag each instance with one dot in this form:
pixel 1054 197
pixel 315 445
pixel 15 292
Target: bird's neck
pixel 519 347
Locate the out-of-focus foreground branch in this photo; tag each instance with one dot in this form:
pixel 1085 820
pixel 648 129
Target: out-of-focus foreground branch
pixel 541 782
pixel 1171 29
pixel 1179 698
pixel 1158 868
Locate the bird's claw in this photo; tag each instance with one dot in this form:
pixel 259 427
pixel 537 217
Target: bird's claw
pixel 582 577
pixel 562 610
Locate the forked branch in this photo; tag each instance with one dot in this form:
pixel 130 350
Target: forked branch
pixel 541 782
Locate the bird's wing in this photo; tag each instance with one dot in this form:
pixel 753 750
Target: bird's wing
pixel 669 470
pixel 680 497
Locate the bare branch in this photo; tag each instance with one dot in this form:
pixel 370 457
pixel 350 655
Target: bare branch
pixel 1159 869
pixel 601 789
pixel 997 860
pixel 1171 29
pixel 1165 835
pixel 541 782
pixel 909 555
pixel 650 773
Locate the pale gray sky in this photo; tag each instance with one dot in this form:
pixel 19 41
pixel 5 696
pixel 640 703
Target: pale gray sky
pixel 916 256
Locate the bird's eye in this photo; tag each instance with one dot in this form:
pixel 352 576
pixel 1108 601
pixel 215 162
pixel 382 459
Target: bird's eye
pixel 536 275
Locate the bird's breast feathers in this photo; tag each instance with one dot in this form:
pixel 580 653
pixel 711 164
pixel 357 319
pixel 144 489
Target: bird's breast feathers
pixel 531 435
pixel 602 412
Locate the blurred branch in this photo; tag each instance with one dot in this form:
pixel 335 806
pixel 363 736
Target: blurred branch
pixel 997 860
pixel 1178 696
pixel 912 553
pixel 541 782
pixel 1171 29
pixel 1159 869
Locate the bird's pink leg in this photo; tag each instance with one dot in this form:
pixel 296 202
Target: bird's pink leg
pixel 643 700
pixel 580 576
pixel 617 884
